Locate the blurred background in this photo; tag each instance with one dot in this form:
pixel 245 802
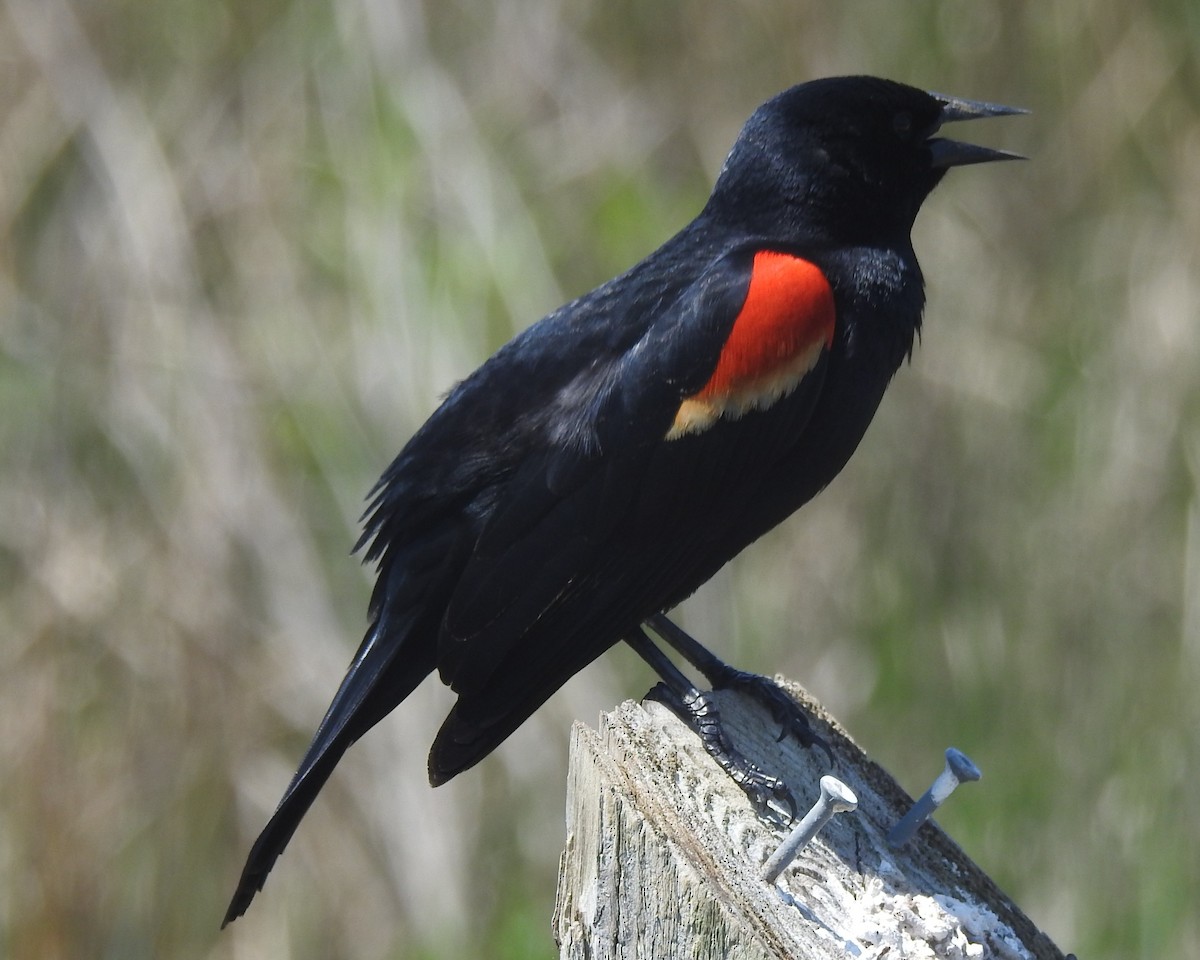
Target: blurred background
pixel 247 246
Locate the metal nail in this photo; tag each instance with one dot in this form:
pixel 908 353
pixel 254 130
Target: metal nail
pixel 959 769
pixel 835 798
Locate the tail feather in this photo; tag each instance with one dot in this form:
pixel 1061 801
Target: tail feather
pixel 376 682
pixel 281 826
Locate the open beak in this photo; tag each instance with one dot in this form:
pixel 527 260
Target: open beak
pixel 953 153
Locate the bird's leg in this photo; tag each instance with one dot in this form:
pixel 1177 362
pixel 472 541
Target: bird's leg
pixel 700 713
pixel 784 710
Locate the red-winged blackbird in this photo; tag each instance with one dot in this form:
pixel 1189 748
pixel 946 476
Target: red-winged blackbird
pixel 610 459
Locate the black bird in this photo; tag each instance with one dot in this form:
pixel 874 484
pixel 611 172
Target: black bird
pixel 606 462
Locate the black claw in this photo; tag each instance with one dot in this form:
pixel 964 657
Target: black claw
pixel 661 693
pixel 784 710
pixel 760 787
pixel 700 713
pixel 820 743
pixel 783 798
pixel 764 790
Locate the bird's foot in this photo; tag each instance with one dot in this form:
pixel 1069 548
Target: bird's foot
pixel 770 796
pixel 783 709
pixel 786 712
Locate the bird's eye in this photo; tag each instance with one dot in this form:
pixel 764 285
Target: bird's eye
pixel 902 123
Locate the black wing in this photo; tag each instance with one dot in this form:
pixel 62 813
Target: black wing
pixel 625 510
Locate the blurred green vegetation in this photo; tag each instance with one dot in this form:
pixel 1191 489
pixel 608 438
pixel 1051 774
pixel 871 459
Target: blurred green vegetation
pixel 247 247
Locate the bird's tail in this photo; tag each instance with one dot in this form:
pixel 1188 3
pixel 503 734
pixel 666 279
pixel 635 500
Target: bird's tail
pixel 377 680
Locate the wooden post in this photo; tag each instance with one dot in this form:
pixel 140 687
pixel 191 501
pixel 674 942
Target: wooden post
pixel 663 854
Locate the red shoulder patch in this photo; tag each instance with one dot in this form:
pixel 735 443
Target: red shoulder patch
pixel 785 323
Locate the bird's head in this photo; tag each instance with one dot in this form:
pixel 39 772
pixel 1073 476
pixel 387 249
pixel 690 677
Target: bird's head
pixel 845 159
